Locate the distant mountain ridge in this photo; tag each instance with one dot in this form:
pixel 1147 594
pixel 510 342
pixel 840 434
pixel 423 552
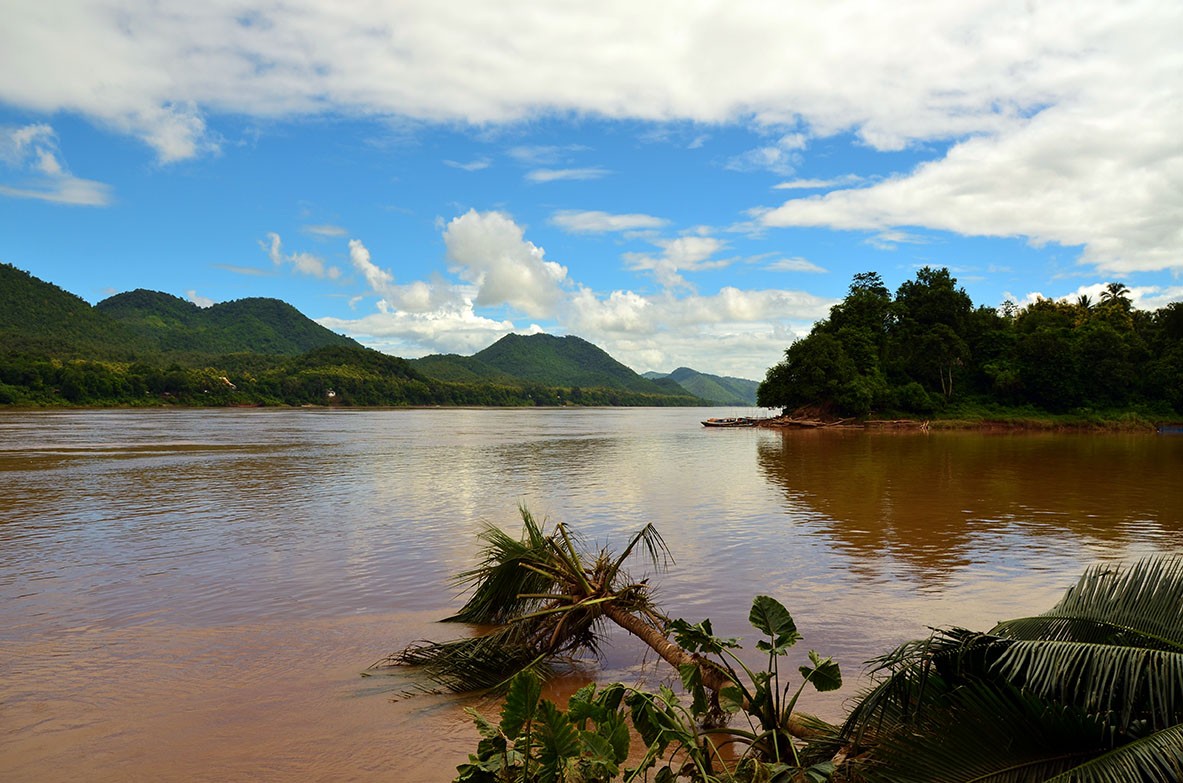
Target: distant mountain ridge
pixel 721 389
pixel 544 359
pixel 254 325
pixel 148 347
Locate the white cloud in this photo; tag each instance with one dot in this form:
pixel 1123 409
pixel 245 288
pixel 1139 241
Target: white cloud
pixel 596 222
pixel 325 230
pixel 693 252
pixel 782 157
pixel 32 154
pixel 474 165
pixel 819 184
pixel 1065 115
pixel 555 175
pixel 489 250
pixel 200 301
pixel 304 263
pixel 796 264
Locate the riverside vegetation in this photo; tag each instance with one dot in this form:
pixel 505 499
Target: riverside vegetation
pixel 929 352
pixel 1090 691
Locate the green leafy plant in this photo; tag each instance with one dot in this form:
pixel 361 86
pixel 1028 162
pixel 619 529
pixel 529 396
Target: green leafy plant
pixel 759 697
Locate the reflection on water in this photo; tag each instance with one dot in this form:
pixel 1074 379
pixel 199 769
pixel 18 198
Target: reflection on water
pixel 935 502
pixel 191 595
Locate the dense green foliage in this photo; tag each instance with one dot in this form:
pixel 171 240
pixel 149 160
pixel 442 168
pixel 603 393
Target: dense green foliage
pixel 719 389
pixel 562 361
pixel 1091 690
pixel 148 348
pixel 929 350
pixel 256 325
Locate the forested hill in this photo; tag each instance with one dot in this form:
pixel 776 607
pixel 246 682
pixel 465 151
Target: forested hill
pixel 721 389
pixel 928 350
pixel 37 317
pixel 256 325
pixel 150 348
pixel 546 360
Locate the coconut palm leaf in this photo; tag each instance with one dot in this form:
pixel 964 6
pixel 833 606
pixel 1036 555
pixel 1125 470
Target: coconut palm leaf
pixel 1130 683
pixel 988 734
pixel 1141 605
pixel 1095 683
pixel 1154 759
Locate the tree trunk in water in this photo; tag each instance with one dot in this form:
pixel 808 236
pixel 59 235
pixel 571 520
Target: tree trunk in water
pixel 712 676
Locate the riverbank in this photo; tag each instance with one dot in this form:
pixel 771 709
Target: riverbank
pixel 1026 420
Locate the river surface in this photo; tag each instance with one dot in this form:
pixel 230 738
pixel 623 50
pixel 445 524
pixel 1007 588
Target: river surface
pixel 193 595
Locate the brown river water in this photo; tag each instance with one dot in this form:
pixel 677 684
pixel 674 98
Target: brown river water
pixel 194 595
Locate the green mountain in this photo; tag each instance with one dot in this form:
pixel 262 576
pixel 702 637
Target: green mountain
pixel 37 317
pixel 721 389
pixel 265 326
pixel 454 368
pixel 563 361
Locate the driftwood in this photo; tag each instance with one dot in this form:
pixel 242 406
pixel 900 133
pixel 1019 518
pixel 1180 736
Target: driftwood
pixel 798 422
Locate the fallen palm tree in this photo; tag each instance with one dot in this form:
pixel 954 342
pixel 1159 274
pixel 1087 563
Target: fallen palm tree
pixel 545 600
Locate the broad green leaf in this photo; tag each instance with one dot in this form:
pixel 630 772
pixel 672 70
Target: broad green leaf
pixel 692 682
pixel 731 698
pixel 699 637
pixel 486 728
pixel 824 675
pixel 521 702
pixel 558 741
pixel 615 730
pixel 771 618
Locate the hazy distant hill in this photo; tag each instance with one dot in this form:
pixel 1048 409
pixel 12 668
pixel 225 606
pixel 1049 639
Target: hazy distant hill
pixel 721 389
pixel 256 325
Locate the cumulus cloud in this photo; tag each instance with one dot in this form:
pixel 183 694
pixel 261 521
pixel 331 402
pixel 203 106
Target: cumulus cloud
pixel 1064 119
pixel 782 157
pixel 304 263
pixel 31 155
pixel 495 266
pixel 596 222
pixel 490 251
pixel 200 301
pixel 694 252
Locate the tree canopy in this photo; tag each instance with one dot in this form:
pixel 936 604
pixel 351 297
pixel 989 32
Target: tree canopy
pixel 929 348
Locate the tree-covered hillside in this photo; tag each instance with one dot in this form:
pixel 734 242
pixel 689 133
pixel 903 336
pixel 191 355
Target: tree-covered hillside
pixel 562 361
pixel 254 325
pixel 720 389
pixel 150 348
pixel 929 349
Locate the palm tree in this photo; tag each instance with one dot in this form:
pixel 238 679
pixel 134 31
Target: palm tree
pixel 1116 294
pixel 1090 691
pixel 546 599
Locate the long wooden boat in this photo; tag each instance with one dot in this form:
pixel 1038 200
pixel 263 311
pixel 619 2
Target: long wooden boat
pixel 732 421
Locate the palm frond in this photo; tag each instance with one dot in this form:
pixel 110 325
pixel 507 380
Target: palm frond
pixel 1129 683
pixel 1157 758
pixel 502 578
pixel 1141 605
pixel 985 733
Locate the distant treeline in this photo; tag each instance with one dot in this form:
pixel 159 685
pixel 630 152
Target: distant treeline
pixel 325 376
pixel 929 349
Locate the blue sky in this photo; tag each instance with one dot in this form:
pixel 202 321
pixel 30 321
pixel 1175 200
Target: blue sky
pixel 682 184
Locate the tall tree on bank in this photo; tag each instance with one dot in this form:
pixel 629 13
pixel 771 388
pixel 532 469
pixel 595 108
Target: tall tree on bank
pixel 929 348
